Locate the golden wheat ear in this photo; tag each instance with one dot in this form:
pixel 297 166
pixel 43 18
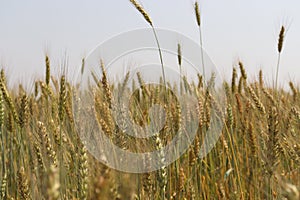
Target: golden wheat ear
pixel 142 11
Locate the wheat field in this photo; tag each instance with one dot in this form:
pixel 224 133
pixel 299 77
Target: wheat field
pixel 256 157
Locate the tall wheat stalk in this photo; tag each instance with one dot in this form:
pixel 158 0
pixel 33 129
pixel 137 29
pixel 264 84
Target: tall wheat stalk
pixel 148 19
pixel 279 49
pixel 198 18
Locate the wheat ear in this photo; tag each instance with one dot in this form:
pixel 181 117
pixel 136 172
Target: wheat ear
pixel 142 11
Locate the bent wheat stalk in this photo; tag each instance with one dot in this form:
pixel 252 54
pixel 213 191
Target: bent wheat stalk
pixel 148 19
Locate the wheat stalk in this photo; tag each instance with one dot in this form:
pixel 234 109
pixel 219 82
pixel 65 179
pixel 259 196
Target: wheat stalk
pixel 198 19
pixel 148 19
pixel 279 48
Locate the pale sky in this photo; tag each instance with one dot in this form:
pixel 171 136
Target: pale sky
pixel 232 30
